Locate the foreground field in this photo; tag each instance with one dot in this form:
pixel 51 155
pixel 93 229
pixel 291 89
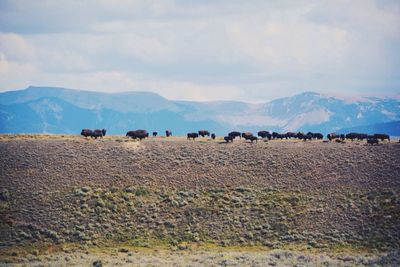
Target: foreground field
pixel 179 194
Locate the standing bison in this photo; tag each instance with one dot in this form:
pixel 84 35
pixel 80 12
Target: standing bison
pixel 247 135
pixel 140 134
pixel 204 133
pixel 228 139
pixel 86 132
pixel 308 136
pixel 333 136
pixel 300 135
pixel 155 134
pixel 318 136
pixel 371 140
pixel 213 136
pixel 253 138
pixel 168 133
pixel 192 135
pixel 382 137
pixel 264 134
pixel 358 136
pixel 290 135
pixel 235 134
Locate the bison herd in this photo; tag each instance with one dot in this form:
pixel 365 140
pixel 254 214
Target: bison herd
pixel 265 135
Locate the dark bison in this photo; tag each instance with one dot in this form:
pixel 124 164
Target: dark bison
pixel 155 134
pixel 280 136
pixel 168 133
pixel 318 136
pixel 333 136
pixel 86 132
pixel 140 134
pixel 228 138
pixel 299 135
pixel 276 135
pixel 308 136
pixel 249 136
pixel 213 136
pixel 98 133
pixel 192 135
pixel 235 134
pixel 358 136
pixel 371 140
pixel 253 138
pixel 382 137
pixel 264 134
pixel 204 133
pixel 290 135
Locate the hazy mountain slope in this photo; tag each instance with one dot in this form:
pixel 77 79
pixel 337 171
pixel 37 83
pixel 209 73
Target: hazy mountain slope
pixel 54 115
pixel 47 109
pixel 314 112
pixel 48 114
pixel 123 102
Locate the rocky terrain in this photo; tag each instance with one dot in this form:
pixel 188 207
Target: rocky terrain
pixel 298 199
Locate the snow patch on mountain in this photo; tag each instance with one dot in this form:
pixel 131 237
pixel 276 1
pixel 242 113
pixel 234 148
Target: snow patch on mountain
pixel 390 115
pixel 311 118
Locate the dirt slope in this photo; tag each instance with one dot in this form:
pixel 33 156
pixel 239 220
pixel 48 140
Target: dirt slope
pixel 59 189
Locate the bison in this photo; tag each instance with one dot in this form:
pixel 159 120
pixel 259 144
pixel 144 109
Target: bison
pixel 98 133
pixel 228 138
pixel 382 137
pixel 235 134
pixel 290 135
pixel 264 134
pixel 318 136
pixel 155 134
pixel 204 133
pixel 333 136
pixel 192 135
pixel 372 140
pixel 140 134
pixel 247 135
pixel 86 132
pixel 253 138
pixel 308 136
pixel 358 136
pixel 299 135
pixel 213 136
pixel 168 133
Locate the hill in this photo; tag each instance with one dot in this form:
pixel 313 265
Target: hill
pixel 119 112
pixel 60 190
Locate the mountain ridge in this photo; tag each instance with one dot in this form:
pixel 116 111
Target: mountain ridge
pixel 307 111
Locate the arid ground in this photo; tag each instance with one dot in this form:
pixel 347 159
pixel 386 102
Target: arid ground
pixel 67 200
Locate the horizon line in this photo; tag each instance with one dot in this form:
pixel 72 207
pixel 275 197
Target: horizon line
pixel 351 97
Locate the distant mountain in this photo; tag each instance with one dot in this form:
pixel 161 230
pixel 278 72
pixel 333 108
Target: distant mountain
pixel 61 110
pixel 391 128
pixel 123 102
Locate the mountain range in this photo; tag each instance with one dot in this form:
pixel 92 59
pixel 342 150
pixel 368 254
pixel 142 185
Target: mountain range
pixel 61 110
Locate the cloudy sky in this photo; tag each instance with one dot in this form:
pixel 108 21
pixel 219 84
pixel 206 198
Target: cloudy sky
pixel 202 50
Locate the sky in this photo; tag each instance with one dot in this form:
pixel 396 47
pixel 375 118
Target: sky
pixel 203 50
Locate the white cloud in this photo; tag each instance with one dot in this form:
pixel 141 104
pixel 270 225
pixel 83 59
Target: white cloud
pixel 14 47
pixel 204 50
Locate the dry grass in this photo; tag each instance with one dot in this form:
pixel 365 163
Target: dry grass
pixel 173 192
